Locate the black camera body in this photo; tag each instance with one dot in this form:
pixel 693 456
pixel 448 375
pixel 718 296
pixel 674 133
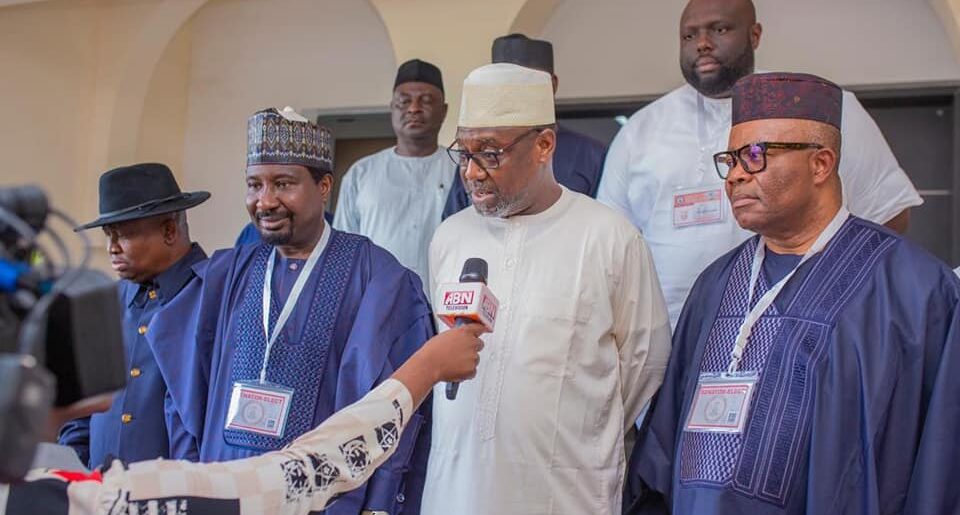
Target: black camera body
pixel 61 337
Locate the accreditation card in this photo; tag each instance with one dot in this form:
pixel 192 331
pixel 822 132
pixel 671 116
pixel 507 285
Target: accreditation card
pixel 721 402
pixel 698 206
pixel 260 408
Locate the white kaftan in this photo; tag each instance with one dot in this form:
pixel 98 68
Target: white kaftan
pixel 580 345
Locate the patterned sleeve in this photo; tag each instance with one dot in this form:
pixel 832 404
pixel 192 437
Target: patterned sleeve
pixel 336 457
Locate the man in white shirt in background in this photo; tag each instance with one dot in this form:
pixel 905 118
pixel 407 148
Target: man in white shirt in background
pixel 582 335
pixel 659 170
pixel 396 196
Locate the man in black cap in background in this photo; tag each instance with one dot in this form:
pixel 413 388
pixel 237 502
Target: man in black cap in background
pixel 578 160
pixel 142 216
pixel 396 196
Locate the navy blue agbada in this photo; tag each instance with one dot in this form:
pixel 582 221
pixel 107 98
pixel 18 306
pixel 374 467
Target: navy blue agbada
pixel 857 409
pixel 361 315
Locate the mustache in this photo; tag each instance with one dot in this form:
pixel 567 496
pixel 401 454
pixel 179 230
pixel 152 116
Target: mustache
pixel 271 215
pixel 480 187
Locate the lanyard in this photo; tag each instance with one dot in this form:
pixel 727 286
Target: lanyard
pixel 291 301
pixel 767 299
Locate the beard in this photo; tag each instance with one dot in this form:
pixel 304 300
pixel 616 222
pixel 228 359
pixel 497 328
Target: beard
pixel 277 237
pixel 502 206
pixel 721 83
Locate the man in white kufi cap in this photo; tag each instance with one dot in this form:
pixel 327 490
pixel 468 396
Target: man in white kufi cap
pixel 582 335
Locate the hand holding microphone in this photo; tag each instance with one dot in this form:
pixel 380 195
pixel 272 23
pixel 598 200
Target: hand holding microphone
pixel 467 302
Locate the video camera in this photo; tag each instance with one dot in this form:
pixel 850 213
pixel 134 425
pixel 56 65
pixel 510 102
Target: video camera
pixel 60 327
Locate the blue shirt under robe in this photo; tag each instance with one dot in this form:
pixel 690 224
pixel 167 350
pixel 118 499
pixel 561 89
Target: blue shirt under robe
pixel 577 164
pixel 134 428
pixel 361 315
pixel 856 410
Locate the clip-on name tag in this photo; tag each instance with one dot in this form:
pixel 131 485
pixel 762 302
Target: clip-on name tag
pixel 259 408
pixel 721 402
pixel 698 206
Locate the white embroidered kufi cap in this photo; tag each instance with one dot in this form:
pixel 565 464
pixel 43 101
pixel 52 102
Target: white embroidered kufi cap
pixel 506 95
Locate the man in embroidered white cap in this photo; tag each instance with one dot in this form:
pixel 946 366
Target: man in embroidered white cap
pixel 582 335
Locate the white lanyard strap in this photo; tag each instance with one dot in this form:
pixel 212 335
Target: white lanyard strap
pixel 291 301
pixel 753 315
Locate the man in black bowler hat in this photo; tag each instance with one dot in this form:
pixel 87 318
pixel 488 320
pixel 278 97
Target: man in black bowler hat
pixel 142 214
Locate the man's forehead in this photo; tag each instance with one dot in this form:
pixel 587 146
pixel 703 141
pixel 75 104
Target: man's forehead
pixel 479 134
pixel 136 224
pixel 264 171
pixel 707 11
pixel 771 129
pixel 417 88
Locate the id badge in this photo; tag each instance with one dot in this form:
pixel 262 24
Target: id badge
pixel 260 408
pixel 721 402
pixel 698 206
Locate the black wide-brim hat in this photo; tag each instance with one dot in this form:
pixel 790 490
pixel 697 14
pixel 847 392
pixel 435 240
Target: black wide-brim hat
pixel 140 191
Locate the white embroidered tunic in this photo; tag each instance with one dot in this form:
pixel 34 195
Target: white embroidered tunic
pixel 580 344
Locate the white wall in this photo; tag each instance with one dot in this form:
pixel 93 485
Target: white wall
pixel 630 47
pixel 249 54
pixel 47 87
pixel 164 118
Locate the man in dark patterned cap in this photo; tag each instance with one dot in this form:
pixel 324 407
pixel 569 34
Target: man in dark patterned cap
pixel 287 331
pixel 814 366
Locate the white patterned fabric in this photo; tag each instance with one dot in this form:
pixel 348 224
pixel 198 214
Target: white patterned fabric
pixel 336 457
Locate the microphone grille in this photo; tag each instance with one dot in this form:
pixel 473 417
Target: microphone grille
pixel 474 271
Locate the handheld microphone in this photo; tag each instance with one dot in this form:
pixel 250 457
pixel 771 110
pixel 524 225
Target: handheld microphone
pixel 467 302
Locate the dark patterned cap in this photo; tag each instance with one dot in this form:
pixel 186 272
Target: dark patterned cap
pixel 521 50
pixel 787 95
pixel 416 70
pixel 285 137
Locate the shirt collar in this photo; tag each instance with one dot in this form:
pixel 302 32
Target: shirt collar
pixel 169 283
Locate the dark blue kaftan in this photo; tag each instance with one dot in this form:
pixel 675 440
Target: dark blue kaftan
pixel 360 316
pixel 857 409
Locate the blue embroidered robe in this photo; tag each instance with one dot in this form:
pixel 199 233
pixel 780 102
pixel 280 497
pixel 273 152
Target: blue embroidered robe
pixel 360 316
pixel 134 428
pixel 577 164
pixel 856 410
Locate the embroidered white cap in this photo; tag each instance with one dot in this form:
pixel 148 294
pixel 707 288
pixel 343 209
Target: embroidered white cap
pixel 506 95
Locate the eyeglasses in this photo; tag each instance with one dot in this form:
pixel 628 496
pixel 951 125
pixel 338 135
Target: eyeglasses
pixel 488 159
pixel 753 157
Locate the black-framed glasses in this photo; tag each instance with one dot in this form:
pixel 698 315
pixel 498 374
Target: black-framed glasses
pixel 488 159
pixel 753 156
